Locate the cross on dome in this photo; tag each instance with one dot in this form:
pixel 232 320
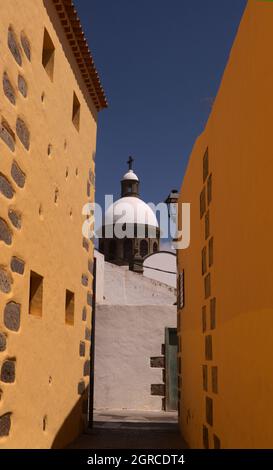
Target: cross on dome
pixel 130 163
pixel 130 176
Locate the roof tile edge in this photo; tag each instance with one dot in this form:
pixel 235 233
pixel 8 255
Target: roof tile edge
pixel 73 30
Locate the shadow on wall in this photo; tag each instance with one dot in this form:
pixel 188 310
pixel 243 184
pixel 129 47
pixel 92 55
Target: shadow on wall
pixel 74 424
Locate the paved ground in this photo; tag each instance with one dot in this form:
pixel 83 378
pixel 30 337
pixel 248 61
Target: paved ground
pixel 132 430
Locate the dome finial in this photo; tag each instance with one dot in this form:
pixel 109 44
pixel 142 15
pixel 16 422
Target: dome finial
pixel 130 163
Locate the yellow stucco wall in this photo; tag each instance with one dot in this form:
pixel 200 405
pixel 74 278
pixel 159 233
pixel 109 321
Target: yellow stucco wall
pixel 239 140
pixel 48 366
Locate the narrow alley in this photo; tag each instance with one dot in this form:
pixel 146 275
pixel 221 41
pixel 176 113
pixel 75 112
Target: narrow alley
pixel 136 260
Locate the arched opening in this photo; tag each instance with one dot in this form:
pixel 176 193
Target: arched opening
pixel 155 247
pixel 143 248
pixel 128 249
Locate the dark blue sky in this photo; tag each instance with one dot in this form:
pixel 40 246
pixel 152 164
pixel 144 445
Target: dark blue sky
pixel 160 63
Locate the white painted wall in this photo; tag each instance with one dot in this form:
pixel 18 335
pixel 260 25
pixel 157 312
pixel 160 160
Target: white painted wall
pixel 127 336
pixel 164 261
pixel 122 286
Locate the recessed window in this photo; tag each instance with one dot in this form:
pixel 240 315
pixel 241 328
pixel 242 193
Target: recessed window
pixel 205 437
pixel 69 307
pixel 143 248
pixel 206 165
pixel 202 203
pixel 76 113
pixel 208 348
pixel 207 286
pixel 214 377
pixel 213 313
pixel 48 55
pixel 211 252
pixel 205 378
pixel 209 411
pixel 209 191
pixel 204 260
pixel 36 294
pixel 207 226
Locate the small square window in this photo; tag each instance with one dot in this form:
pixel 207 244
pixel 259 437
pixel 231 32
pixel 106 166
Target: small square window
pixel 69 307
pixel 36 294
pixel 76 112
pixel 48 55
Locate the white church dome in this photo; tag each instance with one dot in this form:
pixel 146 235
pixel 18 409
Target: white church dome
pixel 130 175
pixel 130 210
